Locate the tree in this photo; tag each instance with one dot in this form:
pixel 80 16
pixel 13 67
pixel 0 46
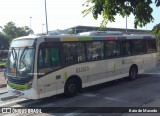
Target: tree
pixel 156 31
pixel 141 9
pixel 3 42
pixel 70 31
pixel 11 31
pixel 4 45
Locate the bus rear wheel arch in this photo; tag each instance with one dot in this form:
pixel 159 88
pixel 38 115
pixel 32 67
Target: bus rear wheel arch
pixel 72 86
pixel 133 72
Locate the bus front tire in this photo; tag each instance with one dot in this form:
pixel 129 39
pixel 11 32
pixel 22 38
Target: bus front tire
pixel 71 88
pixel 133 73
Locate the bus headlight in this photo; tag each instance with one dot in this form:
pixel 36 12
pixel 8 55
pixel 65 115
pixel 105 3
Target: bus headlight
pixel 30 84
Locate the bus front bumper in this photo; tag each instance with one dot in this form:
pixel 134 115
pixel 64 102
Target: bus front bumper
pixel 29 94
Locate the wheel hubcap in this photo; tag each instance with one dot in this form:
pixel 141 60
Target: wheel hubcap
pixel 72 88
pixel 133 73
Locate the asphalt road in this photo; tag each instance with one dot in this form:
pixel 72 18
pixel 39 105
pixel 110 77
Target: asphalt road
pixel 141 92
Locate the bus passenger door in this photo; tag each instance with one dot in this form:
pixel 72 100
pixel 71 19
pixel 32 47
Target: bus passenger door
pixel 48 65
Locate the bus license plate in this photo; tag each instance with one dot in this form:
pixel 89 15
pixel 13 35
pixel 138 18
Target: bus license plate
pixel 13 70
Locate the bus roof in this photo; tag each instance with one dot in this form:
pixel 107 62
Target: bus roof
pixel 92 38
pixel 62 38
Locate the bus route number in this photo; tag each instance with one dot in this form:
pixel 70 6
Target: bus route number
pixel 82 69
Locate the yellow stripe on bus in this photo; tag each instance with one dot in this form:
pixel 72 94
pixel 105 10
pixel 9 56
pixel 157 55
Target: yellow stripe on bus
pixel 69 39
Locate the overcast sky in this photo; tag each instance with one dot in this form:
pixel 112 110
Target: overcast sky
pixel 62 14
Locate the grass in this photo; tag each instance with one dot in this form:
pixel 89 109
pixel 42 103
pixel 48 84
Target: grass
pixel 2 63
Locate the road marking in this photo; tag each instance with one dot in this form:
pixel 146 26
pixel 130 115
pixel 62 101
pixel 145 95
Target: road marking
pixel 74 113
pixel 8 97
pixel 12 114
pixel 47 105
pixel 10 102
pixel 2 93
pixel 89 95
pixel 26 104
pixel 115 99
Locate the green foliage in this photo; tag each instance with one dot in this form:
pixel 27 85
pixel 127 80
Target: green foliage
pixel 4 44
pixel 70 31
pixel 11 31
pixel 141 9
pixel 156 31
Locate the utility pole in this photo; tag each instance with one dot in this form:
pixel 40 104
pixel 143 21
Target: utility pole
pixel 126 25
pixel 46 17
pixel 30 21
pixel 42 28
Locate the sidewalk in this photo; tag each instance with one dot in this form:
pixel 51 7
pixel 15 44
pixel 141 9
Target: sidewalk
pixel 3 81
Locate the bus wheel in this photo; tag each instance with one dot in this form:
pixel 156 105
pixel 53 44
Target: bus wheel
pixel 71 88
pixel 133 73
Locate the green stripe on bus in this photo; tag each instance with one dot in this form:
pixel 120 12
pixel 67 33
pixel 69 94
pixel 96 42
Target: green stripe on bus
pixel 65 75
pixel 17 86
pixel 85 39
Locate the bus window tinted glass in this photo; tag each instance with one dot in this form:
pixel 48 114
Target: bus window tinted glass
pixel 112 49
pixel 140 47
pixel 126 48
pixel 95 50
pixel 74 52
pixel 151 46
pixel 48 59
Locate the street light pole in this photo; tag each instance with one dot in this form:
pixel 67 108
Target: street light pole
pixel 127 4
pixel 30 21
pixel 42 28
pixel 126 25
pixel 46 17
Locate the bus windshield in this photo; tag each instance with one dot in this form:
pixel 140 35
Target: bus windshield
pixel 20 61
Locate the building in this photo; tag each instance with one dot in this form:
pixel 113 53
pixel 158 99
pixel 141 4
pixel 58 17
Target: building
pixel 79 29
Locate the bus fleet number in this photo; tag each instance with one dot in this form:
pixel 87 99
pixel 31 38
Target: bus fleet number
pixel 82 69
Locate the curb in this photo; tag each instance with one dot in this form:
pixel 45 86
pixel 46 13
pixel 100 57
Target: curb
pixel 3 85
pixel 150 74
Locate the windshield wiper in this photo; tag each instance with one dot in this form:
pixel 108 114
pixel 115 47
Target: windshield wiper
pixel 13 50
pixel 14 54
pixel 23 56
pixel 20 59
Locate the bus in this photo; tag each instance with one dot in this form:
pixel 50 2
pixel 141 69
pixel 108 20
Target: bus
pixel 41 66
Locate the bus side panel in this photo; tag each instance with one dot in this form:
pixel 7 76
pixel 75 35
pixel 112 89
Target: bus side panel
pixel 49 84
pixel 146 62
pixel 122 65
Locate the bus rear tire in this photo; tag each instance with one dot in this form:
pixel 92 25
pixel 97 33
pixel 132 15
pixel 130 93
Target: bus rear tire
pixel 71 88
pixel 133 73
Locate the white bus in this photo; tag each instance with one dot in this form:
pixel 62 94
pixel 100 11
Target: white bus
pixel 43 66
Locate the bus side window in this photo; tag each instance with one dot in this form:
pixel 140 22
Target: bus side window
pixel 95 50
pixel 40 59
pixel 49 60
pixel 126 48
pixel 151 46
pixel 74 52
pixel 111 49
pixel 140 47
pixel 52 57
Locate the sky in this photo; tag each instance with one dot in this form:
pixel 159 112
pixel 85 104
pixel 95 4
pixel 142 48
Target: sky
pixel 62 14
